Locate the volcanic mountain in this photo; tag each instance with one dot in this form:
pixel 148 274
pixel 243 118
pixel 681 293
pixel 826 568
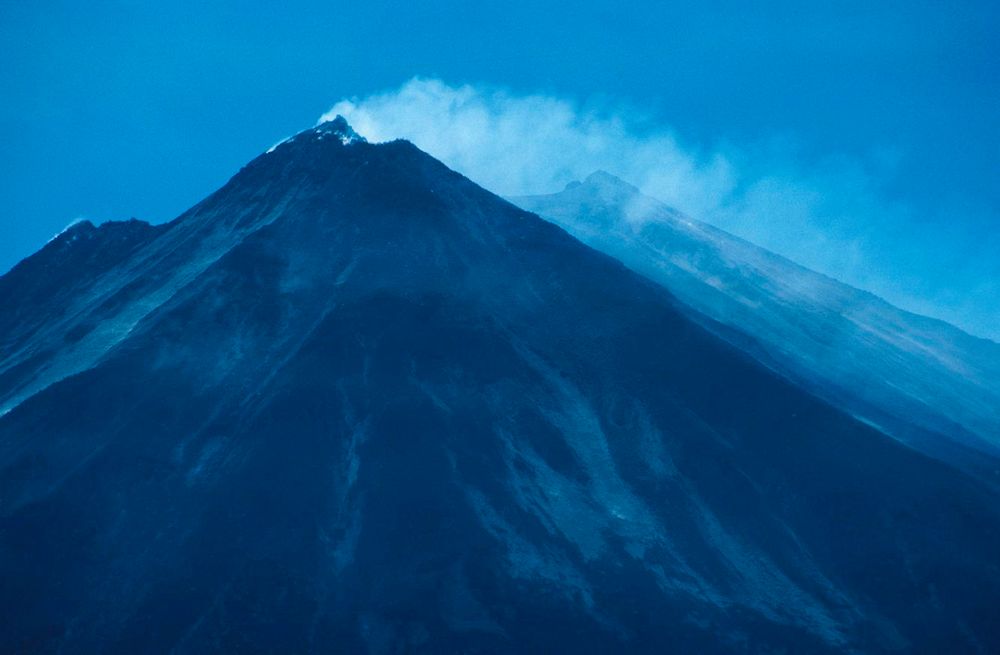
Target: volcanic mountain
pixel 922 380
pixel 353 402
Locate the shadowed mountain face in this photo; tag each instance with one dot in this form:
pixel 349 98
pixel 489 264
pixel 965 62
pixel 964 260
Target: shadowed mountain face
pixel 922 380
pixel 354 402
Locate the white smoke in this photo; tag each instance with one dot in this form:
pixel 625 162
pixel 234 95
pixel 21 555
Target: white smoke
pixel 521 145
pixel 829 214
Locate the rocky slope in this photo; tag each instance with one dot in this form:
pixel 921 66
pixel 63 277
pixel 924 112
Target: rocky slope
pixel 354 402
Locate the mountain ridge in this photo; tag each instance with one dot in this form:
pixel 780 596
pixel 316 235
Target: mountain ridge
pixel 608 180
pixel 353 398
pixel 809 325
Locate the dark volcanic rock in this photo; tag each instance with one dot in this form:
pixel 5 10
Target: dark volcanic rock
pixel 354 402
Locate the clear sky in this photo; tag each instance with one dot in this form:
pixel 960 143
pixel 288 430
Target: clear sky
pixel 119 109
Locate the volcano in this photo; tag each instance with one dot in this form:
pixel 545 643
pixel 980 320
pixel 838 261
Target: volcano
pixel 922 380
pixel 354 402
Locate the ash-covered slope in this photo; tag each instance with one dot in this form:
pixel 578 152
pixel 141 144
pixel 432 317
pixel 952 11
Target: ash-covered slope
pixel 922 380
pixel 354 402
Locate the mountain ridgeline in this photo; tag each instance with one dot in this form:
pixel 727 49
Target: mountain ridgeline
pixel 352 401
pixel 922 380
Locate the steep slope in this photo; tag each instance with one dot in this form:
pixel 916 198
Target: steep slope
pixel 352 401
pixel 918 378
pixel 46 292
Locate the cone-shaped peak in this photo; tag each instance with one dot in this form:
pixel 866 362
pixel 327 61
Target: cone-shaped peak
pixel 604 180
pixel 338 127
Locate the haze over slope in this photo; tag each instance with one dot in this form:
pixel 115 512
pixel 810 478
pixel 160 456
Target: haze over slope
pixel 894 368
pixel 353 400
pixel 832 213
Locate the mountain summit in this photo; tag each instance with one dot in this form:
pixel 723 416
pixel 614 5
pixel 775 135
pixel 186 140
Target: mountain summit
pixel 338 127
pixel 353 401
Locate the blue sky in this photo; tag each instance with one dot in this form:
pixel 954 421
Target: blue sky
pixel 879 119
